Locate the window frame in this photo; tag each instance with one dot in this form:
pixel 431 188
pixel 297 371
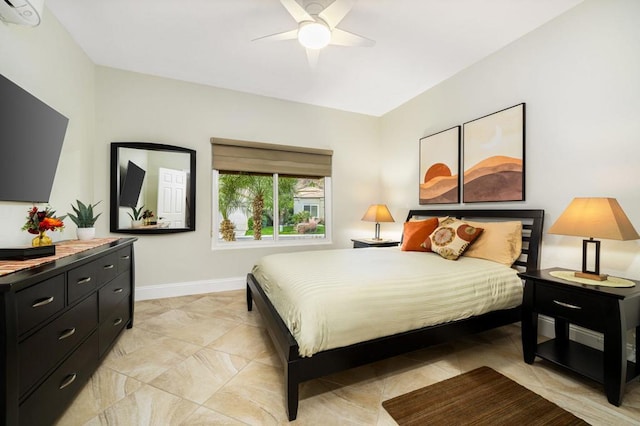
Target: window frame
pixel 216 218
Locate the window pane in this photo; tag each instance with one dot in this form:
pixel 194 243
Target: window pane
pixel 301 207
pixel 246 211
pixel 245 202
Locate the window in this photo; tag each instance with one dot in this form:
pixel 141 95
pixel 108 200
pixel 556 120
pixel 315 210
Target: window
pixel 269 194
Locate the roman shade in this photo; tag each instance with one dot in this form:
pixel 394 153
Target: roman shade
pixel 255 157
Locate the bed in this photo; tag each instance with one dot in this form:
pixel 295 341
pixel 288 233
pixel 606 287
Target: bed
pixel 303 362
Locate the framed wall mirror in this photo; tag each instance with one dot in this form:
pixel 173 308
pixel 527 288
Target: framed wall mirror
pixel 153 188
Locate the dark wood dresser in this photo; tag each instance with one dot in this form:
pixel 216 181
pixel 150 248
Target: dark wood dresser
pixel 59 319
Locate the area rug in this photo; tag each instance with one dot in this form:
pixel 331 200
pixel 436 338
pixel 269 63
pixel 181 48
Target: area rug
pixel 479 397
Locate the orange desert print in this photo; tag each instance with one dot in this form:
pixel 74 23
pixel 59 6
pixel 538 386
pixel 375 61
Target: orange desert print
pixel 439 186
pixel 497 178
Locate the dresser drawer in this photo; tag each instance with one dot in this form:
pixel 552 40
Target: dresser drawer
pixel 44 405
pixel 39 302
pixel 111 294
pixel 124 259
pixel 576 307
pixel 113 325
pixel 55 340
pixel 107 269
pixel 82 280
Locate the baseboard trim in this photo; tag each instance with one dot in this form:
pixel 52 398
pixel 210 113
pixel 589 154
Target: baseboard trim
pixel 582 335
pixel 161 291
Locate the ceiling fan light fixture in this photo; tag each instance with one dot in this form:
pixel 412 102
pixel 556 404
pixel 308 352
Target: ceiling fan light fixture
pixel 314 35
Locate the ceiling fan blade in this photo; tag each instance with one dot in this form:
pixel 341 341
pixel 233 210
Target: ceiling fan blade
pixel 287 35
pixel 345 38
pixel 297 11
pixel 336 11
pixel 312 57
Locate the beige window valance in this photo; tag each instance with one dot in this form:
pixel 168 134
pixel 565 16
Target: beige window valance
pixel 230 155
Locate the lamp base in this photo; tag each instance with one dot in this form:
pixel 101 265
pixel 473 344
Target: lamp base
pixel 591 276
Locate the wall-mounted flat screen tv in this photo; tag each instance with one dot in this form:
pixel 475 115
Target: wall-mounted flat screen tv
pixel 132 180
pixel 31 137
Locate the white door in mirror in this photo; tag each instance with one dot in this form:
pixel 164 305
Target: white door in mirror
pixel 172 202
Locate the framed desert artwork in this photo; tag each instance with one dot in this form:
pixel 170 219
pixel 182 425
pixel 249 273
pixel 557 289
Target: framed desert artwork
pixel 494 157
pixel 440 167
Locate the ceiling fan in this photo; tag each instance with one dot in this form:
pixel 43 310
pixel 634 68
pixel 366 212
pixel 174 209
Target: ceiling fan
pixel 317 21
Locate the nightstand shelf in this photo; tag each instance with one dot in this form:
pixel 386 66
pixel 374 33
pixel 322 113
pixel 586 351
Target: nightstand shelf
pixel 370 242
pixel 579 358
pixel 610 311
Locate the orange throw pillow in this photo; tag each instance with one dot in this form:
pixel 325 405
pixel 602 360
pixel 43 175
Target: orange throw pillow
pixel 415 233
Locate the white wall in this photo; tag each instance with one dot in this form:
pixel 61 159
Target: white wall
pixel 140 108
pixel 47 63
pixel 580 78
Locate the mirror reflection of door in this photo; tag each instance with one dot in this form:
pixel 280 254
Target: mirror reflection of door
pixel 172 190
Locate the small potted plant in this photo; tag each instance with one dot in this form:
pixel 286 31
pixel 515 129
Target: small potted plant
pixel 84 220
pixel 136 217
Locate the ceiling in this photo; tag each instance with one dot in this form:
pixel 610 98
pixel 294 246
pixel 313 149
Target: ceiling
pixel 419 43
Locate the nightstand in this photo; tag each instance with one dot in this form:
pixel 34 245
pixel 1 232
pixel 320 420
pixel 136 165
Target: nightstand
pixel 369 242
pixel 610 311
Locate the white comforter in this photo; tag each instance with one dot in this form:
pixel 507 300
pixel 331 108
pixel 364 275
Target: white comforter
pixel 335 298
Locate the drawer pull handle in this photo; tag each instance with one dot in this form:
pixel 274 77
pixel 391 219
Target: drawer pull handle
pixel 117 321
pixel 566 305
pixel 126 257
pixel 42 302
pixel 118 290
pixel 108 266
pixel 68 380
pixel 84 280
pixel 67 333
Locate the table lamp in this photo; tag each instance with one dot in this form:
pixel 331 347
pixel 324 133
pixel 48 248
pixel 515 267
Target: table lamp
pixel 377 213
pixel 594 218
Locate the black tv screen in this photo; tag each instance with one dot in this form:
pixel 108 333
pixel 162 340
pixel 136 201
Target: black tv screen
pixel 132 181
pixel 31 137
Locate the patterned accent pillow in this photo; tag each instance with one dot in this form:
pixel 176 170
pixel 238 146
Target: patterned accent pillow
pixel 451 238
pixel 415 233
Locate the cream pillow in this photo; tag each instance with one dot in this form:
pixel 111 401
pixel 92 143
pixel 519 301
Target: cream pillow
pixel 500 242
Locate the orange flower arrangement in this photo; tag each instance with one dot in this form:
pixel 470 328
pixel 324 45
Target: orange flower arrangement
pixel 39 221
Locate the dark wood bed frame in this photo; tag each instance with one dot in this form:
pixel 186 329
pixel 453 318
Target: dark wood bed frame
pixel 299 369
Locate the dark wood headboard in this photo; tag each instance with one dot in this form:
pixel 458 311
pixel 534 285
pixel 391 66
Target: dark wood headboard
pixel 532 223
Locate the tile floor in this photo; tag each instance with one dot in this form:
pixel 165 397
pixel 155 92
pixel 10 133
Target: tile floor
pixel 204 360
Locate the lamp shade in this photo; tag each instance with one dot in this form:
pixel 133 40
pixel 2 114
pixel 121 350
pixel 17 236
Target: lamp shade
pixel 378 213
pixel 595 218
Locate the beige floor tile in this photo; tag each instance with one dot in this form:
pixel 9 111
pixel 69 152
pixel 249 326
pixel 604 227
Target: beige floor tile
pixel 177 302
pixel 146 406
pixel 206 417
pixel 333 404
pixel 188 326
pixel 244 340
pixel 147 309
pixel 198 377
pixel 132 340
pixel 105 388
pixel 255 396
pixel 145 362
pixel 209 303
